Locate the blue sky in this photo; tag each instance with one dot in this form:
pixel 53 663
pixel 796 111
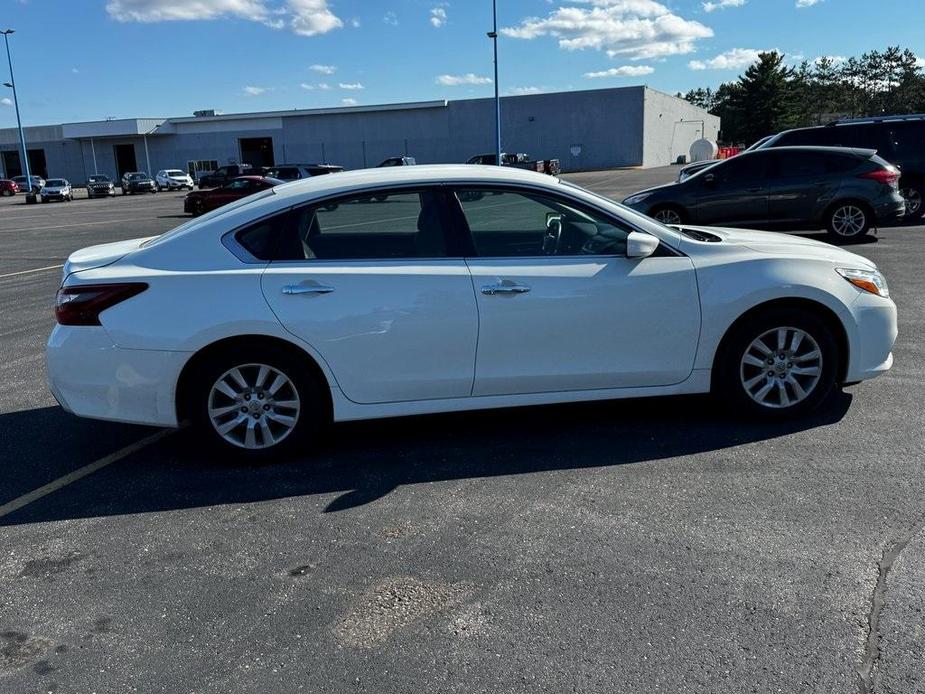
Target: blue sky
pixel 94 59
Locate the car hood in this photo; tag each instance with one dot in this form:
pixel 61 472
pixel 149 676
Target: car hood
pixel 653 189
pixel 777 243
pixel 101 255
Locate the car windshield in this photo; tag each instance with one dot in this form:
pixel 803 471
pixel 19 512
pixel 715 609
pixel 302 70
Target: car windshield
pixel 629 215
pixel 55 182
pixel 175 172
pixel 137 177
pixel 98 179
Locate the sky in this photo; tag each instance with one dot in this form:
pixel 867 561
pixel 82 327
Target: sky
pixel 79 60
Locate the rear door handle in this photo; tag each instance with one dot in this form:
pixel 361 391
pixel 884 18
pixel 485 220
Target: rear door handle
pixel 293 289
pixel 491 289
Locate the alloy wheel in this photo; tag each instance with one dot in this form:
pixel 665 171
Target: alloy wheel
pixel 254 406
pixel 781 367
pixel 913 198
pixel 849 220
pixel 668 216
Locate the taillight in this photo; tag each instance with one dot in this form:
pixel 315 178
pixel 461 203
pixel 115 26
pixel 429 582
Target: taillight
pixel 888 177
pixel 83 304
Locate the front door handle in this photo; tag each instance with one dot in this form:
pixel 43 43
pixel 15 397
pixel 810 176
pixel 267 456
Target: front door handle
pixel 501 288
pixel 293 289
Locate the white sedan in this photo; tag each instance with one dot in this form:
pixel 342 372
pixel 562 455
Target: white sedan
pixel 410 290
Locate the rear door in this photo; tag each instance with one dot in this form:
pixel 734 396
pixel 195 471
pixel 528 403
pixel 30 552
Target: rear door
pixel 734 192
pixel 372 282
pixel 561 307
pixel 803 181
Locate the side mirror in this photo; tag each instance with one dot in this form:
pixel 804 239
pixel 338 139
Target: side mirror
pixel 639 245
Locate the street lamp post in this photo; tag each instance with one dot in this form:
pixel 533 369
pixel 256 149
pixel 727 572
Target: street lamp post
pixel 22 138
pixel 493 35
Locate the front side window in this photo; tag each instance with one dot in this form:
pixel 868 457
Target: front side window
pixel 505 223
pixel 383 225
pixel 740 169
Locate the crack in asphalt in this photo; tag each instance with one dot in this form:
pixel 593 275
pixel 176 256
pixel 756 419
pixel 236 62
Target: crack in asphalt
pixel 872 650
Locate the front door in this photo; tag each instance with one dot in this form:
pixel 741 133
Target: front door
pixel 369 283
pixel 561 307
pixel 734 192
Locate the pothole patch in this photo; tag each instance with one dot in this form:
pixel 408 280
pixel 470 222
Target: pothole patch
pixel 394 604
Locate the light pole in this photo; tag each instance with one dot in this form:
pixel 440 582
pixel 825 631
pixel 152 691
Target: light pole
pixel 22 138
pixel 493 35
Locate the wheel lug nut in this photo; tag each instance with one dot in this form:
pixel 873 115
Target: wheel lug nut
pixel 244 409
pixel 266 408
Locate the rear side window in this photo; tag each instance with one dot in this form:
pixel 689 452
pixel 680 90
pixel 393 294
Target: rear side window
pixel 908 139
pixel 799 164
pixel 377 226
pixel 838 163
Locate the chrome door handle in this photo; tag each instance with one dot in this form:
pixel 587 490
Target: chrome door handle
pixel 505 289
pixel 293 289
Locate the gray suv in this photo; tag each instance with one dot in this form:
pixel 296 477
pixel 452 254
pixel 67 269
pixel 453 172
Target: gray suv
pixel 844 190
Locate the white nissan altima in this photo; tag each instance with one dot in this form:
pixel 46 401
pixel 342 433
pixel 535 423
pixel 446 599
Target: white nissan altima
pixel 410 290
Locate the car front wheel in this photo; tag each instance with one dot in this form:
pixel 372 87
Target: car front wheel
pixel 667 215
pixel 257 404
pixel 779 363
pixel 848 220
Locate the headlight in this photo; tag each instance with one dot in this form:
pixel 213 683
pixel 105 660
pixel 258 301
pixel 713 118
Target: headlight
pixel 867 280
pixel 636 199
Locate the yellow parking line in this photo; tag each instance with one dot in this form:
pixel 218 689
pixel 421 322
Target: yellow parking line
pixel 80 473
pixel 26 272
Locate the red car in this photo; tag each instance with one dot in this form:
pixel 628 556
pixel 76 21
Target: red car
pixel 201 201
pixel 8 187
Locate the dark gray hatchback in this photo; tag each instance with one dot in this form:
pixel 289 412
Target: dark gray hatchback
pixel 844 190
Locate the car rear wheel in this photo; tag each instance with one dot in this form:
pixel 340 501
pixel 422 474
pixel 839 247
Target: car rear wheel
pixel 779 363
pixel 667 215
pixel 260 403
pixel 848 220
pixel 913 195
pixel 198 208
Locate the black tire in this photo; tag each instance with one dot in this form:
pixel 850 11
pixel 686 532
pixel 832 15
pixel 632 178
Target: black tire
pixel 731 374
pixel 198 208
pixel 313 413
pixel 848 220
pixel 913 193
pixel 668 214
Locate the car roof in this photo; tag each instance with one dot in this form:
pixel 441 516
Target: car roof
pixel 426 174
pixel 858 151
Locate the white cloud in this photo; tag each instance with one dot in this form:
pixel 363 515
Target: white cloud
pixel 438 17
pixel 174 10
pixel 349 102
pixel 324 85
pixel 721 5
pixel 623 71
pixel 306 85
pixel 254 91
pixel 807 3
pixel 304 17
pixel 311 17
pixel 75 70
pixel 355 23
pixel 522 91
pixel 323 69
pixel 351 86
pixel 6 101
pixel 834 59
pixel 637 29
pixel 456 80
pixel 734 59
pixel 390 18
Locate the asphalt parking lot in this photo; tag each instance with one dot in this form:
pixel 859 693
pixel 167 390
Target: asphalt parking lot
pixel 635 546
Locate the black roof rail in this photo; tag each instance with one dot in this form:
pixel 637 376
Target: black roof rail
pixel 878 119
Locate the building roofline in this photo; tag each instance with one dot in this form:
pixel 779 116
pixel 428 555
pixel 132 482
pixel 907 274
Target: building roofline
pixel 405 106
